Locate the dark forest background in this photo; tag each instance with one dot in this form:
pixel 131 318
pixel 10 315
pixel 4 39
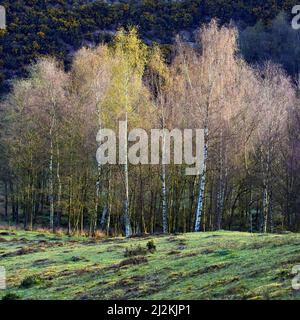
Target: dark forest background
pixel 59 28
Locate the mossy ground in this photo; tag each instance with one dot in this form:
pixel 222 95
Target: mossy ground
pixel 219 265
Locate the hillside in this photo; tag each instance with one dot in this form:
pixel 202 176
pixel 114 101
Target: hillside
pixel 220 265
pixel 59 28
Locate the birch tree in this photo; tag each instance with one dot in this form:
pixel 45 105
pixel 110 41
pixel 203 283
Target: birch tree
pixel 91 75
pixel 159 82
pixel 128 64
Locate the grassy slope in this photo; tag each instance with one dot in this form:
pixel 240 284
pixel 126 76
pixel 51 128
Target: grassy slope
pixel 220 265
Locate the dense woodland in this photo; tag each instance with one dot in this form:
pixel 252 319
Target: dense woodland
pixel 251 117
pixel 58 28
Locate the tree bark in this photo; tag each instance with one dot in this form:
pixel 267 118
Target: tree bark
pixel 51 189
pixel 202 188
pixel 126 213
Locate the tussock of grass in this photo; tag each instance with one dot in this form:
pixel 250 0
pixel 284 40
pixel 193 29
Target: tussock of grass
pixel 133 261
pixel 30 281
pixel 135 251
pixel 11 296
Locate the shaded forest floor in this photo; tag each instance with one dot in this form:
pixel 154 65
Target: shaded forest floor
pixel 219 265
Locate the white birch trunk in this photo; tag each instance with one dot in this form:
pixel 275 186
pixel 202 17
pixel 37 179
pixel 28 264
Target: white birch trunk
pixel 164 199
pixel 94 222
pixel 266 195
pixel 103 218
pixel 200 202
pixel 51 195
pixel 98 182
pixel 126 213
pixel 222 179
pixel 265 208
pixel 58 179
